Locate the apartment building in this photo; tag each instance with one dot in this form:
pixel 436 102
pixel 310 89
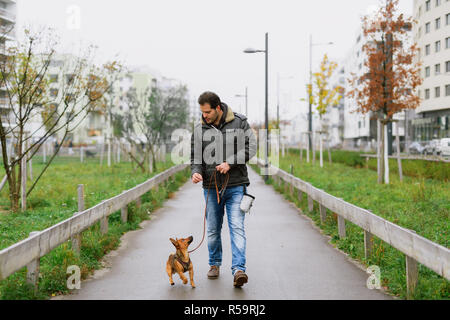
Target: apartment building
pixel 7 33
pixel 432 35
pixel 333 120
pixel 358 129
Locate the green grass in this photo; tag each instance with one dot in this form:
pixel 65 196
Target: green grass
pixel 55 199
pixel 418 203
pixel 413 168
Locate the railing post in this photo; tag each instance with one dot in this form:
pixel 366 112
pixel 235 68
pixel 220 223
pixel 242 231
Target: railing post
pixel 368 244
pixel 138 202
pixel 412 275
pixel 33 268
pixel 76 238
pixel 124 213
pixel 300 195
pixel 341 226
pixel 323 213
pixel 104 224
pixel 310 204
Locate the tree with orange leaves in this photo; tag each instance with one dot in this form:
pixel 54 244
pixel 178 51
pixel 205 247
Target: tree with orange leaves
pixel 389 85
pixel 323 95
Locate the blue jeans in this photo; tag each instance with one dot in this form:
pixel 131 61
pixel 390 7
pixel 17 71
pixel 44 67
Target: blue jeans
pixel 231 199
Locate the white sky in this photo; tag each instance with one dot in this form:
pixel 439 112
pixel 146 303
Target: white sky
pixel 200 42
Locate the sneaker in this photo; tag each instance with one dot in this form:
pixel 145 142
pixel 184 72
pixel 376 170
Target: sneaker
pixel 240 278
pixel 213 273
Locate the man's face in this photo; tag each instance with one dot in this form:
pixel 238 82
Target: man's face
pixel 209 114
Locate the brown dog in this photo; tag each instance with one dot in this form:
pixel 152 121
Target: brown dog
pixel 179 262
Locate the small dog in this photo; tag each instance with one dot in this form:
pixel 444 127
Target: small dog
pixel 179 262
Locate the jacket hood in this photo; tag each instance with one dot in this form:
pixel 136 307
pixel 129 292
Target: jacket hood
pixel 227 113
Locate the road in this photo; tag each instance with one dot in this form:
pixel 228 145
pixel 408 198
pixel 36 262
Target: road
pixel 287 258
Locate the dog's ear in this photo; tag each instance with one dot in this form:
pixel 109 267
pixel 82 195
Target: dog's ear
pixel 191 238
pixel 174 242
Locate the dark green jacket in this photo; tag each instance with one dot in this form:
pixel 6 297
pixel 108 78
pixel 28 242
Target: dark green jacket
pixel 233 126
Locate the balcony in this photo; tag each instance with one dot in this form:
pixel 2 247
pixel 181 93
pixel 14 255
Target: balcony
pixel 4 102
pixel 7 14
pixel 7 31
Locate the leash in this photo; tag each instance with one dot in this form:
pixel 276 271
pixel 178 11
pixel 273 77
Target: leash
pixel 218 193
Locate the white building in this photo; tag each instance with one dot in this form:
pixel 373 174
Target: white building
pixel 432 35
pixel 8 33
pixel 356 131
pixel 333 120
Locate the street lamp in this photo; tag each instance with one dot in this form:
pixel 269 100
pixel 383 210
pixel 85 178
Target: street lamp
pixel 266 51
pixel 311 45
pixel 246 100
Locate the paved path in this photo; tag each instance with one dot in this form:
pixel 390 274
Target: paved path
pixel 287 258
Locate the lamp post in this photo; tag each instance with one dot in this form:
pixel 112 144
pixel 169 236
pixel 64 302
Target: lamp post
pixel 246 100
pixel 266 51
pixel 311 44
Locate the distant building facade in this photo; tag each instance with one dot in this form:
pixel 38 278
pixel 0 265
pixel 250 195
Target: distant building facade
pixel 432 35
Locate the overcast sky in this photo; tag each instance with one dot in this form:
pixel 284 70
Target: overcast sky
pixel 200 42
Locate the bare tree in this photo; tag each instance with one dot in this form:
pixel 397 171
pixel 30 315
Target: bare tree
pixel 154 114
pixel 24 73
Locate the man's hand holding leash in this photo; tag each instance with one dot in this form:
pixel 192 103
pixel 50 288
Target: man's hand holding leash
pixel 223 168
pixel 196 178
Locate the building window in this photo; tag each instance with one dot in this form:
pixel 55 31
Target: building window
pixel 427 72
pixel 437 92
pixel 437 46
pixel 53 92
pixel 427 94
pixel 427 49
pixel 427 27
pixel 438 3
pixel 437 23
pixel 447 19
pixel 427 5
pixel 447 90
pixel 437 69
pixel 447 66
pixel 53 78
pixel 447 43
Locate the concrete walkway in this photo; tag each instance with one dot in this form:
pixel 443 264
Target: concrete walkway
pixel 287 258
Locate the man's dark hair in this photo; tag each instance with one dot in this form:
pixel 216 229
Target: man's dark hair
pixel 211 98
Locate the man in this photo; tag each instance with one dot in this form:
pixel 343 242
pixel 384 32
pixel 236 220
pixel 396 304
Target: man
pixel 221 130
